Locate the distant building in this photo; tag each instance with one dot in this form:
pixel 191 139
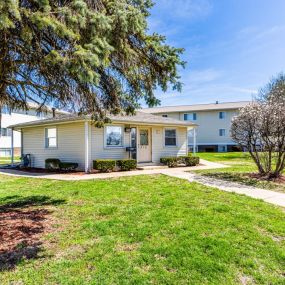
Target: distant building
pixel 16 116
pixel 213 120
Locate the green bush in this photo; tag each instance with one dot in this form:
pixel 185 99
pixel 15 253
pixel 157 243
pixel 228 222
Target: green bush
pixel 190 160
pixel 169 161
pixel 68 165
pixel 52 163
pixel 126 164
pixel 104 165
pixel 174 161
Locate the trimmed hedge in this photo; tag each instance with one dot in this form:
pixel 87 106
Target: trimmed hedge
pixel 104 165
pixel 68 165
pixel 190 160
pixel 52 163
pixel 174 161
pixel 169 161
pixel 126 164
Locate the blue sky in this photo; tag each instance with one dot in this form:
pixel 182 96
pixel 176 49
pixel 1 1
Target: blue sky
pixel 232 47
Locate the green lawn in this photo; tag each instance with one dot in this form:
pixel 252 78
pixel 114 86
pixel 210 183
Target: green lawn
pixel 241 165
pixel 137 230
pixel 7 160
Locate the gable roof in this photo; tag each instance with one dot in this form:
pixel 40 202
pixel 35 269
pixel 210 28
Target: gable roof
pixel 197 107
pixel 139 118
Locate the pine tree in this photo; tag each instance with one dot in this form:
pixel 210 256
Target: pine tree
pixel 95 56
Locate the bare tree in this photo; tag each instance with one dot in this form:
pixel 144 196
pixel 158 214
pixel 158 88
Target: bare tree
pixel 260 128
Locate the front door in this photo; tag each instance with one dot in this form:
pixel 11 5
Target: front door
pixel 144 145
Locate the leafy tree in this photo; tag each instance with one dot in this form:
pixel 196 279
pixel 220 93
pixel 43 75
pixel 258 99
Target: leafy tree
pixel 260 128
pixel 93 56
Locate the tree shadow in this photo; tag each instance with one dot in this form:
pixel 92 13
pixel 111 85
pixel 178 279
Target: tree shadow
pixel 23 221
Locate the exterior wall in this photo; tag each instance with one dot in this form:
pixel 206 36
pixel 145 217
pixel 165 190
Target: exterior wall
pixel 70 144
pixel 158 149
pixel 17 117
pixel 209 124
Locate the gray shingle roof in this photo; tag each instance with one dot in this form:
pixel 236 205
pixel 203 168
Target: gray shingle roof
pixel 139 118
pixel 198 107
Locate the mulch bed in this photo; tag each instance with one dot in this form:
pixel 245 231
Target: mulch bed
pixel 280 180
pixel 20 234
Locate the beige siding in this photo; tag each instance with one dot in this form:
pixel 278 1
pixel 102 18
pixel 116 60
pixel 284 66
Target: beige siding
pixel 158 148
pixel 70 144
pixel 98 149
pixel 209 124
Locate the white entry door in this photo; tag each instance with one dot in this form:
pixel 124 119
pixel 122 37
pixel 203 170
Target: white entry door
pixel 144 145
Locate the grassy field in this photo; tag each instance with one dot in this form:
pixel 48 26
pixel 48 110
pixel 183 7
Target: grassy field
pixel 241 165
pixel 136 230
pixel 7 160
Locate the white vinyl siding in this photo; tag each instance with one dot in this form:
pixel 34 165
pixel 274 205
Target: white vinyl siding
pixel 70 144
pixel 158 148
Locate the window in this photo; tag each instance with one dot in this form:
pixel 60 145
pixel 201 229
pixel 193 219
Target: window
pixel 51 137
pixel 222 148
pixel 5 152
pixel 222 132
pixel 6 110
pixel 113 136
pixel 222 115
pixel 165 116
pixel 170 137
pixel 143 137
pixel 190 117
pixel 5 132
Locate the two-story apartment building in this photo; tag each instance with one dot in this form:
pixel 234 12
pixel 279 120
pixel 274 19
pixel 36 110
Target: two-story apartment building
pixel 11 117
pixel 213 120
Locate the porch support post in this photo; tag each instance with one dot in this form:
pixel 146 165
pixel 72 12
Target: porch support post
pixel 194 141
pixel 12 147
pixel 86 127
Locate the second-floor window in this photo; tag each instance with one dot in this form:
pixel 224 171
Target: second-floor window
pixel 190 117
pixel 222 132
pixel 222 115
pixel 5 132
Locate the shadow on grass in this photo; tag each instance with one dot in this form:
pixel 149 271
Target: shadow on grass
pixel 23 220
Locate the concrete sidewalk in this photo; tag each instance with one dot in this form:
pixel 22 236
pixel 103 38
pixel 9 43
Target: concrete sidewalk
pixel 204 164
pixel 182 173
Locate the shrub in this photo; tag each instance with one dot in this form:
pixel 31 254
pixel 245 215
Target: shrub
pixel 104 165
pixel 127 164
pixel 68 165
pixel 174 161
pixel 190 160
pixel 52 163
pixel 169 161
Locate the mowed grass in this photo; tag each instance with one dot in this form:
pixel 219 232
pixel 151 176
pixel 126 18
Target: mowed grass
pixel 241 166
pixel 7 160
pixel 147 230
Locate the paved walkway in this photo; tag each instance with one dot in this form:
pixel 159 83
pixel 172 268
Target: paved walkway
pixel 182 173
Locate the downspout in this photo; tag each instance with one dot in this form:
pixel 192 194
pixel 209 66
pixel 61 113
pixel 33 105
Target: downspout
pixel 194 141
pixel 87 150
pixel 12 147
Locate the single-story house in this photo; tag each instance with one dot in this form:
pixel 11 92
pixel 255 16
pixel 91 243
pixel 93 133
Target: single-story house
pixel 73 138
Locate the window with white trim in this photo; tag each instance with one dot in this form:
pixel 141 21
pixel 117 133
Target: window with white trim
pixel 51 137
pixel 6 132
pixel 222 132
pixel 113 136
pixel 222 115
pixel 170 137
pixel 190 117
